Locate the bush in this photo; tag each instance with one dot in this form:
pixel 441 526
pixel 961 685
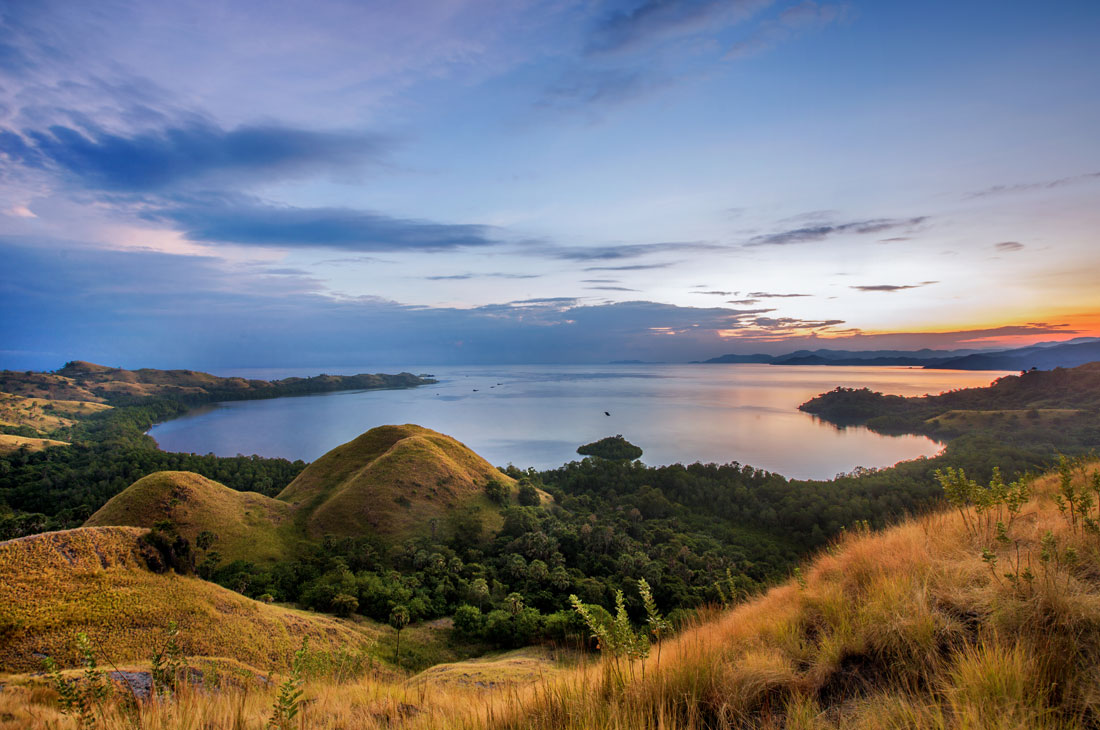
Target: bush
pixel 344 604
pixel 469 621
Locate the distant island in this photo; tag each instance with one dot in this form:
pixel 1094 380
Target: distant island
pixel 1044 356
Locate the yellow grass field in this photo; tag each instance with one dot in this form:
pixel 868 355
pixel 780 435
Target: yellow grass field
pixel 42 414
pixel 10 443
pixel 95 580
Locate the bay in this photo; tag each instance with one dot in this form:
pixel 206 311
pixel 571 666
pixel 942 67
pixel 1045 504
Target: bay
pixel 537 415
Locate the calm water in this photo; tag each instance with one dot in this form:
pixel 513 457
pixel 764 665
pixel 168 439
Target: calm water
pixel 538 415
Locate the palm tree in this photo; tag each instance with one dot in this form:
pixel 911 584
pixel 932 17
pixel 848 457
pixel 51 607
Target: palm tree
pixel 399 619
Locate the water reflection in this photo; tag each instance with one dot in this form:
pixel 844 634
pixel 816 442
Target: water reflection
pixel 538 415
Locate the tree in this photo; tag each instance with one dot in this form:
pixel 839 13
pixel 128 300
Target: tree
pixel 344 604
pixel 399 619
pixel 479 589
pixel 496 491
pixel 528 495
pixel 469 621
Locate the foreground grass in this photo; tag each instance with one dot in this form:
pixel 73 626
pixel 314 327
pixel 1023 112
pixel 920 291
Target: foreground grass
pixel 936 623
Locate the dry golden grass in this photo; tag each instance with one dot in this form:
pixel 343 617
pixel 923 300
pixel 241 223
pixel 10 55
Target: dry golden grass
pixel 96 581
pixel 9 443
pixel 908 628
pixel 17 410
pixel 85 381
pixel 249 526
pixel 393 480
pixel 520 667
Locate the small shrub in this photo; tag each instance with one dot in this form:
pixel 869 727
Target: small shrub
pixel 288 701
pixel 81 698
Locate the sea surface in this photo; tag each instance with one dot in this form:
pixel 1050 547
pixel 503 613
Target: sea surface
pixel 537 415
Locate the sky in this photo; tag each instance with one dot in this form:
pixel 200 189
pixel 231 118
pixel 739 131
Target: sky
pixel 291 184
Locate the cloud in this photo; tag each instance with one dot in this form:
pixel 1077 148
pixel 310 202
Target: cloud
pixel 624 251
pixel 250 222
pixel 1009 246
pixel 632 267
pixel 142 308
pixel 653 20
pixel 145 308
pixel 599 281
pixel 812 234
pixel 895 239
pixel 494 275
pixel 891 287
pixel 609 288
pixel 176 156
pixel 1031 186
pixel 771 295
pixel 716 293
pixel 746 302
pixel 805 17
pixel 584 86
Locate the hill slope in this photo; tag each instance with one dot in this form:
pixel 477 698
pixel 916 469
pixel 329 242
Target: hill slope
pixel 942 622
pixel 393 480
pixel 936 623
pixel 248 526
pixel 97 580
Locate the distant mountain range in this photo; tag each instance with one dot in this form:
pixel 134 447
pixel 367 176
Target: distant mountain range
pixel 1043 356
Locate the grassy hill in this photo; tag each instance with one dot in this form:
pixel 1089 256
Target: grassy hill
pixel 10 443
pixel 393 481
pixel 44 415
pixel 942 622
pixel 248 526
pixel 97 580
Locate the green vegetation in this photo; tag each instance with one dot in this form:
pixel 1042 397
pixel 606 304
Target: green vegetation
pixel 1037 411
pixel 905 628
pixel 614 448
pixel 58 488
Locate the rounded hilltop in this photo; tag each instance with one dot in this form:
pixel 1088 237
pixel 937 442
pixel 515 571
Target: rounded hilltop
pixel 393 481
pixel 249 526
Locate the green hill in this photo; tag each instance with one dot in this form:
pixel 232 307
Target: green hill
pixel 248 526
pixel 392 481
pixel 97 580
